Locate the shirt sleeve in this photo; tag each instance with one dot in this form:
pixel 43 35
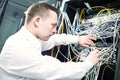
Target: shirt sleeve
pixel 59 39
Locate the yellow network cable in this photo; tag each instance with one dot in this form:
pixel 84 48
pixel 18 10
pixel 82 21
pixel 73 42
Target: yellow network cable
pixel 108 15
pixel 81 15
pixel 118 11
pixel 61 27
pixel 82 12
pixel 102 12
pixel 104 70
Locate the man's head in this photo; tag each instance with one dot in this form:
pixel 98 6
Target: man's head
pixel 41 9
pixel 41 20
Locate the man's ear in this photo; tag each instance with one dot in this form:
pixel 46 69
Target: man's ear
pixel 37 21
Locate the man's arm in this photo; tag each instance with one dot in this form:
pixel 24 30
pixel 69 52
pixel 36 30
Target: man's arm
pixel 64 39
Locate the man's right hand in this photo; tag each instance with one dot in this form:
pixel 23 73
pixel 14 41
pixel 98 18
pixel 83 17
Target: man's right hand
pixel 94 56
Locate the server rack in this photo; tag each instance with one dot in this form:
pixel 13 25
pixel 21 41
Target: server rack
pixel 69 7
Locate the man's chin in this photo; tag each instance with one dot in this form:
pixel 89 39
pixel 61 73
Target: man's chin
pixel 46 39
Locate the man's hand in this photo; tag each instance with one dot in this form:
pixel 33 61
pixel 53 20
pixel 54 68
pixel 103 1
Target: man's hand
pixel 86 41
pixel 94 56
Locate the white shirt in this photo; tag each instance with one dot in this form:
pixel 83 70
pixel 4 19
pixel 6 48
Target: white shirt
pixel 21 59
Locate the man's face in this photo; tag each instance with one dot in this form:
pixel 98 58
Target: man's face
pixel 47 26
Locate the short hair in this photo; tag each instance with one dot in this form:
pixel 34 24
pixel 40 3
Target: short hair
pixel 40 9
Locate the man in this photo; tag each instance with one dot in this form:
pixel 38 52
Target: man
pixel 21 57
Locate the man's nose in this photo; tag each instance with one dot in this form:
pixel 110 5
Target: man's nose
pixel 54 31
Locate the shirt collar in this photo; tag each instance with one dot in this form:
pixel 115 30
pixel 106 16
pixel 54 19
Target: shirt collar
pixel 30 37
